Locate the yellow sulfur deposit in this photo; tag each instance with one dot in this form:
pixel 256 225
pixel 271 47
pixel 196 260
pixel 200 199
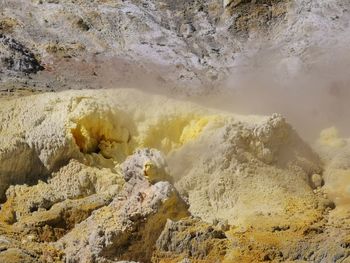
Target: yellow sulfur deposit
pixel 121 162
pixel 101 128
pixel 223 162
pixel 330 137
pixel 196 126
pixel 172 132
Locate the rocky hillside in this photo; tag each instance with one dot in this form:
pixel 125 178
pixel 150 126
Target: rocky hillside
pixel 187 45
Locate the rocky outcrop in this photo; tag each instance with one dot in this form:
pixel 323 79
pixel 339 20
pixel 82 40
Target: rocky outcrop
pixel 126 229
pixel 16 58
pixel 191 239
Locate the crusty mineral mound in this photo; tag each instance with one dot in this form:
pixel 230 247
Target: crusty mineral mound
pixel 248 169
pixel 108 175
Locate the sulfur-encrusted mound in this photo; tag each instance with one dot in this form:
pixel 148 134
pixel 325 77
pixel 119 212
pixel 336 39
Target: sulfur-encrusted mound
pixel 93 176
pixel 98 128
pixel 245 170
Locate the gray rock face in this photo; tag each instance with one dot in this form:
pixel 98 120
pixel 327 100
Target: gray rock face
pixel 193 46
pixel 148 163
pixel 15 57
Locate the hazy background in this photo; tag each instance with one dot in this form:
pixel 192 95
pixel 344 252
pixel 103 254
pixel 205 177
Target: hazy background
pixel 311 97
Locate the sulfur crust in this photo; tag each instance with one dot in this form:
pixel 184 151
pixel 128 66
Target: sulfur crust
pixel 230 167
pixel 46 131
pixel 104 156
